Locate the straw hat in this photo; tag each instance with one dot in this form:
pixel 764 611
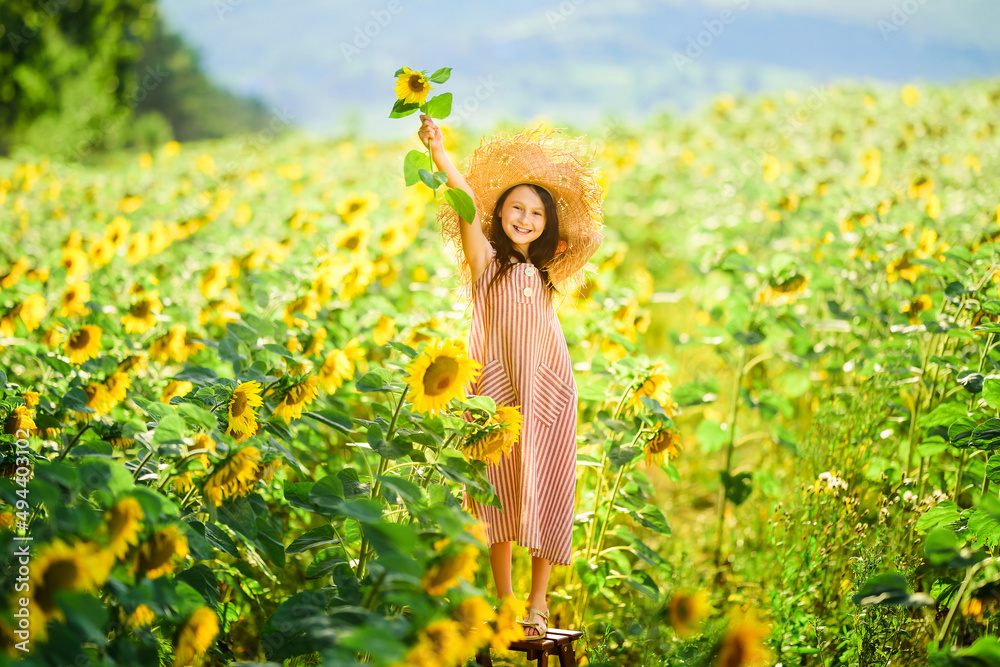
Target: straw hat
pixel 561 165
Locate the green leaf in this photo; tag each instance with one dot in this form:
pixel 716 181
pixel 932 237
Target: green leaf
pixel 402 109
pixel 710 436
pixel 412 163
pixel 433 181
pixel 76 400
pixel 375 380
pixel 332 418
pixel 991 392
pixel 170 431
pixel 984 522
pixel 652 518
pixel 316 537
pixel 438 106
pixel 945 513
pixel 197 375
pixel 203 580
pixel 440 75
pixel 462 203
pixel 942 545
pixel 890 589
pixel 738 487
pixel 324 563
pixel 327 494
pixel 279 350
pixel 644 584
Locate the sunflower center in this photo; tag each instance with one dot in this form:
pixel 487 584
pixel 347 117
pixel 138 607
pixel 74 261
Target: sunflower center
pixel 295 395
pixel 141 309
pixel 79 339
pixel 352 242
pixel 416 83
pixel 239 403
pixel 440 376
pixel 60 575
pixel 355 206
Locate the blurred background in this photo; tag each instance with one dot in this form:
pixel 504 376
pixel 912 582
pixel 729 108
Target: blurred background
pixel 113 73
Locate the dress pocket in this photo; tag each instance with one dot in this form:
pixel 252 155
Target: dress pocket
pixel 495 383
pixel 551 395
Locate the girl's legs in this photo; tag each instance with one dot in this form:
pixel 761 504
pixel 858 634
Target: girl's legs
pixel 540 569
pixel 500 564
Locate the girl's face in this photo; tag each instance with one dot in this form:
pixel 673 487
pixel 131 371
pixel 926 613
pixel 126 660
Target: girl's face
pixel 523 217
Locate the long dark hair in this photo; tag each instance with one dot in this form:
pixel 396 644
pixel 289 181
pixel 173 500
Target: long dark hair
pixel 540 252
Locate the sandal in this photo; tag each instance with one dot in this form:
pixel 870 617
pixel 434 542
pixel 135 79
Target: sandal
pixel 541 627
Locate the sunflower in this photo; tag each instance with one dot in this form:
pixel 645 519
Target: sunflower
pixel 440 374
pixel 233 477
pixel 141 316
pixel 138 248
pixel 74 300
pixel 117 385
pixel 242 418
pixel 117 229
pixel 507 628
pixel 686 612
pixel 175 388
pixel 136 362
pixel 385 329
pixel 267 472
pixel 307 304
pixel 101 251
pixel 296 398
pixel 412 87
pixel 195 636
pixel 439 643
pixel 316 342
pixel 143 616
pixel 32 311
pixel 31 398
pixel 336 370
pixel 497 438
pixel 657 387
pixel 53 338
pixel 75 262
pixel 123 523
pixel 214 279
pixel 742 645
pixel 666 443
pixel 356 206
pixel 19 419
pixel 473 616
pixel 447 573
pixel 63 567
pixel 171 346
pixel 155 556
pixel 83 344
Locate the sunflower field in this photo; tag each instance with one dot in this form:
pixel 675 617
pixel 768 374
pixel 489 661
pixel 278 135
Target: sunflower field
pixel 235 430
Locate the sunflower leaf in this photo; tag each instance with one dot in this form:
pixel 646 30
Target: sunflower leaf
pixel 433 181
pixel 411 165
pixel 401 109
pixel 378 379
pixel 462 203
pixel 438 106
pixel 441 75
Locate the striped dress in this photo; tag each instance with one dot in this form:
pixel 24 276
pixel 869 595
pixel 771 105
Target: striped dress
pixel 516 336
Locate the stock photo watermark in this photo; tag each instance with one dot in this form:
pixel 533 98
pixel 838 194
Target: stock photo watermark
pixel 51 9
pixel 563 11
pixel 23 551
pixel 704 39
pixel 900 16
pixel 364 34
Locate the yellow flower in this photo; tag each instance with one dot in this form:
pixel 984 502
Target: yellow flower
pixel 316 344
pixel 440 374
pixel 772 168
pixel 74 300
pixel 234 477
pixel 31 398
pixel 123 523
pixel 922 302
pixel 686 612
pixel 308 305
pixel 83 344
pixel 910 94
pixel 501 434
pixel 657 387
pixel 742 645
pixel 933 206
pixel 508 629
pixel 385 329
pixel 133 362
pixel 155 556
pixel 206 164
pixel 242 215
pixel 295 399
pixel 19 419
pixel 411 86
pixel 213 280
pixel 440 643
pixel 142 616
pixel 175 388
pixel 117 385
pixel 195 636
pixel 129 204
pixel 171 346
pixel 242 418
pixel 336 370
pixel 138 248
pixel 75 262
pixel 56 567
pixel 117 229
pixel 141 316
pixel 447 573
pixel 355 206
pixel 666 443
pixel 920 188
pixel 32 311
pixel 872 160
pixel 354 237
pixel 473 616
pixel 98 399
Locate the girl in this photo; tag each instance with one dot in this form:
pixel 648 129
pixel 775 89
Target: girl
pixel 538 221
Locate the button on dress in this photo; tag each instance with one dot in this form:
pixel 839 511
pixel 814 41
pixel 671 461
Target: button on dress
pixel 515 334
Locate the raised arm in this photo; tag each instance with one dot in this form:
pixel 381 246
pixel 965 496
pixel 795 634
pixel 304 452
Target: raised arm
pixel 474 243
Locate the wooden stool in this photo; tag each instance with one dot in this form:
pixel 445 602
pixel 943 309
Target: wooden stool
pixel 556 642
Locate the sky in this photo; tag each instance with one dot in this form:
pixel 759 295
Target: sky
pixel 329 64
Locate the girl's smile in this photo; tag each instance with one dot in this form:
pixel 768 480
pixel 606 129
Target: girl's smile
pixel 523 217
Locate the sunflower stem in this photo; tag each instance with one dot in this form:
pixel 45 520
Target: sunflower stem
pixel 75 440
pixel 142 464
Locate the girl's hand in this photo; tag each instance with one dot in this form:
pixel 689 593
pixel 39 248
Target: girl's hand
pixel 429 133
